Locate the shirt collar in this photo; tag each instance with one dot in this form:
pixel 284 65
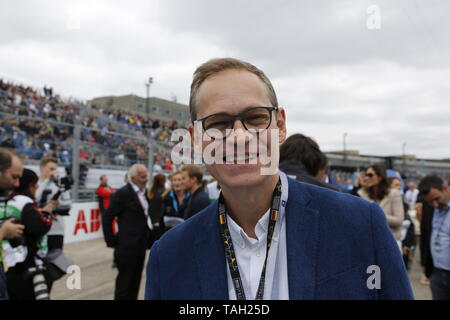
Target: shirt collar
pixel 136 188
pixel 263 222
pixel 444 211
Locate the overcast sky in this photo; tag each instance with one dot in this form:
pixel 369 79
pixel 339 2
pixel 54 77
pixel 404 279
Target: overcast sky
pixel 334 70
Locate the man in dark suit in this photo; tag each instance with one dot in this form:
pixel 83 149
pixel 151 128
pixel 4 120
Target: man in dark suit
pixel 199 199
pixel 136 232
pixel 268 236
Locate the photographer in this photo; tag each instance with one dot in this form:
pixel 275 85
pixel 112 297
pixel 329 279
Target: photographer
pixel 56 190
pixel 10 172
pixel 25 253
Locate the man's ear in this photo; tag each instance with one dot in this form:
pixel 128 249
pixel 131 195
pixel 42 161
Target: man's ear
pixel 281 124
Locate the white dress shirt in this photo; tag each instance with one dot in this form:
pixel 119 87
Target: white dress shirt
pixel 411 197
pixel 144 203
pixel 250 254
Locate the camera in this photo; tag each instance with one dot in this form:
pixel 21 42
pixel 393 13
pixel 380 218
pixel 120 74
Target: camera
pixel 40 287
pixel 64 183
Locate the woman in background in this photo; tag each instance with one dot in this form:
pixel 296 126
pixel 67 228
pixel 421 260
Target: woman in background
pixel 377 189
pixel 29 250
pixel 408 233
pixel 156 201
pixel 174 202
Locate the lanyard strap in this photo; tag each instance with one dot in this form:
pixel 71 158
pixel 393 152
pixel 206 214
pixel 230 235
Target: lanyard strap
pixel 229 249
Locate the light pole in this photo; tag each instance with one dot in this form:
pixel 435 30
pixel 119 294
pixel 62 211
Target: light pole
pixel 147 101
pixel 345 146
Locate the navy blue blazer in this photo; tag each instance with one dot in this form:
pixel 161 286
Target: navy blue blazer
pixel 332 240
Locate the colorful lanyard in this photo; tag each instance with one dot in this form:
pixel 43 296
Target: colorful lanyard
pixel 229 249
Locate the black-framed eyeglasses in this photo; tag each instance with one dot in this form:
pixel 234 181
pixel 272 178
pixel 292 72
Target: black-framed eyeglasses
pixel 369 175
pixel 254 119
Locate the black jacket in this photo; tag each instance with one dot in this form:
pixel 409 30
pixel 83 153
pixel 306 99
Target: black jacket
pixel 298 170
pixel 134 235
pixel 37 223
pixel 170 209
pixel 198 201
pixel 426 226
pixel 155 205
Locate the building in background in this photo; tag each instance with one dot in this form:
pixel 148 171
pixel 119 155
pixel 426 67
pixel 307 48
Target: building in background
pixel 155 108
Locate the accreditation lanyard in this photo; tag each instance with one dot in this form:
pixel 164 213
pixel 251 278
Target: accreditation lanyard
pixel 229 249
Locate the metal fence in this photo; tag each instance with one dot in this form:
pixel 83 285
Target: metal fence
pixel 79 146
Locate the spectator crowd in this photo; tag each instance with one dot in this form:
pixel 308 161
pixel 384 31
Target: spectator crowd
pixel 40 124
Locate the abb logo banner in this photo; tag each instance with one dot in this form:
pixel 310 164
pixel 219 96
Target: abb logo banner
pixel 83 223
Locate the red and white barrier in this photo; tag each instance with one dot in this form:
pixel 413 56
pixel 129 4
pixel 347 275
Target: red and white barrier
pixel 83 223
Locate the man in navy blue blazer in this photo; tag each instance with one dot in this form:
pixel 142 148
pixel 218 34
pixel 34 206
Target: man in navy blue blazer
pixel 268 236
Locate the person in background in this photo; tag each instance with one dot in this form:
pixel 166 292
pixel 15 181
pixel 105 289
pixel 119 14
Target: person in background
pixel 437 194
pixel 104 193
pixel 301 158
pixel 424 214
pixel 47 191
pixel 156 202
pixel 411 195
pixel 192 180
pixel 29 250
pixel 376 189
pixel 11 169
pixel 175 201
pixel 136 232
pixel 358 179
pixel 408 234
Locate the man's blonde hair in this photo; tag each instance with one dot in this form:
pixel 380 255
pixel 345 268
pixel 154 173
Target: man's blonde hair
pixel 217 65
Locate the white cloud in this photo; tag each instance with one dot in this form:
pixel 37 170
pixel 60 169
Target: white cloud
pixel 331 73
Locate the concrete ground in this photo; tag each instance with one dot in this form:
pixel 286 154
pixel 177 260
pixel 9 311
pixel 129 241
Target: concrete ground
pixel 98 277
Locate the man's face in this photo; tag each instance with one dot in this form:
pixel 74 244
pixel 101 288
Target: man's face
pixel 233 92
pixel 177 182
pixel 438 198
pixel 187 181
pixel 141 178
pixel 104 180
pixel 49 171
pixel 10 178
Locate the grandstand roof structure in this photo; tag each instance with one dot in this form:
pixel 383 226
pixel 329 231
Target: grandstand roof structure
pixel 156 108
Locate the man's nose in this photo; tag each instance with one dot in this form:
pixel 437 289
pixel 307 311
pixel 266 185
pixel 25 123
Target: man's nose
pixel 238 124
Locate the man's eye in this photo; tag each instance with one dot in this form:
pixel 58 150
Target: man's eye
pixel 218 123
pixel 257 117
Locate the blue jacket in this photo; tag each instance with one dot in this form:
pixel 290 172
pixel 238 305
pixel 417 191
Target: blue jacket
pixel 332 239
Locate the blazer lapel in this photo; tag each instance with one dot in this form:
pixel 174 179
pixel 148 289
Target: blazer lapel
pixel 135 197
pixel 210 259
pixel 302 228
